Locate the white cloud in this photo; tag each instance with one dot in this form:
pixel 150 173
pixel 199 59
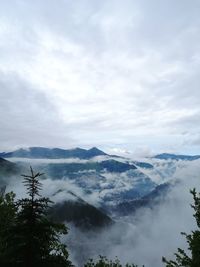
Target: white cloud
pixel 143 239
pixel 151 234
pixel 115 73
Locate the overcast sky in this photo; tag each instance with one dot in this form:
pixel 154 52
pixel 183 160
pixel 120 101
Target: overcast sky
pixel 117 74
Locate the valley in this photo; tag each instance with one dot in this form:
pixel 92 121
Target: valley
pixel 99 195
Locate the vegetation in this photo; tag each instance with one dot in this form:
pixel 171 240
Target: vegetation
pixel 7 220
pixel 104 262
pixel 29 238
pixel 182 259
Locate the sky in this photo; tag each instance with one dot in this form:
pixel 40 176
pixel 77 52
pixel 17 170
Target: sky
pixel 120 75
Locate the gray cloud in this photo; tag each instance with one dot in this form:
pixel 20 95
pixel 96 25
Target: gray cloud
pixel 27 117
pixel 117 74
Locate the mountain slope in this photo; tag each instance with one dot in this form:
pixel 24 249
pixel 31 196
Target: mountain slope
pixel 58 170
pixel 80 213
pixel 54 153
pixel 143 165
pixel 107 182
pixel 150 200
pixel 166 156
pixel 8 168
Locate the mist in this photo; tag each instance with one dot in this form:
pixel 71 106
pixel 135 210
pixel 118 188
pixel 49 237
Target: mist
pixel 148 235
pixel 142 238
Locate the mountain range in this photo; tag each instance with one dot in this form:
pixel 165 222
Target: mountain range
pixel 167 156
pixel 53 153
pixel 58 153
pixel 150 200
pixel 80 213
pixel 94 187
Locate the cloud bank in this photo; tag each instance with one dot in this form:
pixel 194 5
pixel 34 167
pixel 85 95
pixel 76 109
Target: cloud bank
pixel 110 73
pixel 143 238
pixel 150 234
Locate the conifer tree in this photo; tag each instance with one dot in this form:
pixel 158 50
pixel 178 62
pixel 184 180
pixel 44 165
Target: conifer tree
pixel 7 219
pixel 104 262
pixel 36 239
pixel 182 259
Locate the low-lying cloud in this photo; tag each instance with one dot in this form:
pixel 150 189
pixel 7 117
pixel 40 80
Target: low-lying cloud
pixel 143 238
pixel 150 234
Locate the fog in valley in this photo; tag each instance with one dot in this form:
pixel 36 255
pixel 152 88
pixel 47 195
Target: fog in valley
pixel 143 237
pixel 103 98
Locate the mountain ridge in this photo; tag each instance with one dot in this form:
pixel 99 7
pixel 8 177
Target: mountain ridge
pixel 54 153
pixel 150 200
pixel 168 156
pixel 79 212
pixel 7 167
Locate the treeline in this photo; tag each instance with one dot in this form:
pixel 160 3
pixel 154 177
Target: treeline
pixel 30 238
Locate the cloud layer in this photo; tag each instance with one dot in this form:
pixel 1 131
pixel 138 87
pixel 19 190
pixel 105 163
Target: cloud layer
pixel 109 73
pixel 151 234
pixel 143 238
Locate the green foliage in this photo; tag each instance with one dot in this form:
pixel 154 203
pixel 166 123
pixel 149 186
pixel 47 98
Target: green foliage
pixel 104 262
pixel 35 239
pixel 193 240
pixel 7 219
pixel 28 238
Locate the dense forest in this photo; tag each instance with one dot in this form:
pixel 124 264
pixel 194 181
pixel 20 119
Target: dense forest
pixel 29 236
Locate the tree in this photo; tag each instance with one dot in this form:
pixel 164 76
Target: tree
pixel 182 259
pixel 104 262
pixel 36 239
pixel 7 219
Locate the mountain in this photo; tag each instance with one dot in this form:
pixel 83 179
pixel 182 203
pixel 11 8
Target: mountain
pixel 116 166
pixel 7 167
pixel 108 182
pixel 59 170
pixel 53 153
pixel 144 165
pixel 166 156
pixel 79 212
pixel 150 200
pixel 7 170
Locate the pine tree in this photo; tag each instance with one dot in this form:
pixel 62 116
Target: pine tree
pixel 182 259
pixel 7 219
pixel 36 239
pixel 104 262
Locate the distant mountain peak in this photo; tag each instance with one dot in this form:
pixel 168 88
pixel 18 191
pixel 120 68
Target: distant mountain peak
pixel 96 152
pixel 94 148
pixel 168 156
pixel 54 153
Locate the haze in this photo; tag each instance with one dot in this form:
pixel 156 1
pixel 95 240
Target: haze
pixel 119 75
